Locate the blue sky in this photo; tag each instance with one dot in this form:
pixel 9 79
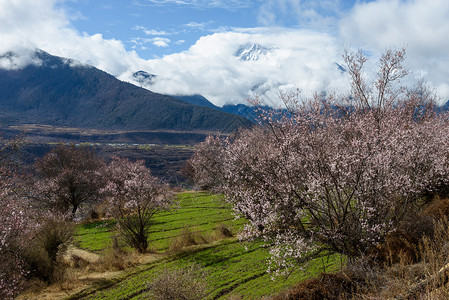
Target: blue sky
pixel 154 28
pixel 191 45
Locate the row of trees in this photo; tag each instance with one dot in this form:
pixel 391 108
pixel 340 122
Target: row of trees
pixel 35 209
pixel 334 174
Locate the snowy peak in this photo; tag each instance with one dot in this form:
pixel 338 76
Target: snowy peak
pixel 253 52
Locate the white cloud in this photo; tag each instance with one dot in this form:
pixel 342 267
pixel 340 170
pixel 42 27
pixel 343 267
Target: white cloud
pixel 302 59
pixel 161 42
pixel 226 4
pixel 196 25
pixel 150 31
pixel 29 24
pixel 156 41
pixel 18 59
pixel 421 26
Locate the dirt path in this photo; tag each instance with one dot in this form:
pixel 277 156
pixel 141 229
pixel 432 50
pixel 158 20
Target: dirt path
pixel 84 271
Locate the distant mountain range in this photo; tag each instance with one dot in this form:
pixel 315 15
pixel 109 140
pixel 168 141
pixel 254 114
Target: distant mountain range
pixel 61 92
pixel 242 110
pixel 249 112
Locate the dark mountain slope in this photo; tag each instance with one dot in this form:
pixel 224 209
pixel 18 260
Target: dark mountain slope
pixel 242 110
pixel 197 100
pixel 58 92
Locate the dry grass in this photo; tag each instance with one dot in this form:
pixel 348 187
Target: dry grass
pixel 413 263
pixel 187 237
pixel 223 231
pixel 185 283
pixel 115 259
pixel 82 268
pixel 425 279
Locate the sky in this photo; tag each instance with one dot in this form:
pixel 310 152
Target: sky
pixel 191 45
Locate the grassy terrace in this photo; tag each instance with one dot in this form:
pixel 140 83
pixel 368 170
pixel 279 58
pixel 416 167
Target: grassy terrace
pixel 199 211
pixel 233 268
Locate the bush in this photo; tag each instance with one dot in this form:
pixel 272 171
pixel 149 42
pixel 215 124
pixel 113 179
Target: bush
pixel 187 237
pixel 184 284
pixel 326 286
pixel 438 208
pixel 43 254
pixel 412 270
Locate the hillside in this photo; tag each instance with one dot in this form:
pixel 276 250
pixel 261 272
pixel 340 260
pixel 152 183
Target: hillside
pixel 191 235
pixel 63 93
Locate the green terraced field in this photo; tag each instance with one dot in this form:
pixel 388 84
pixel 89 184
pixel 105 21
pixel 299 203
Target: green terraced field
pixel 232 268
pixel 200 211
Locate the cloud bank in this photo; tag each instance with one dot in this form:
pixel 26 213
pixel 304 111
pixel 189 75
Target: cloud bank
pixel 28 24
pixel 300 58
pixel 419 25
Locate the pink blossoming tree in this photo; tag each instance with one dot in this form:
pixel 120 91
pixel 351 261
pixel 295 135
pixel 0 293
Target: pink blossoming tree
pixel 16 224
pixel 70 177
pixel 334 176
pixel 134 197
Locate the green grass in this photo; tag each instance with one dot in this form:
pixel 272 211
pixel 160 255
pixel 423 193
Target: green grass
pixel 232 267
pixel 200 211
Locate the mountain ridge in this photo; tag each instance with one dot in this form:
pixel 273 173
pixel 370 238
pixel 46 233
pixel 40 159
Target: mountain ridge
pixel 62 92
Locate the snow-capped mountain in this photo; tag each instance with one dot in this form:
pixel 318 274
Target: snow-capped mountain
pixel 253 52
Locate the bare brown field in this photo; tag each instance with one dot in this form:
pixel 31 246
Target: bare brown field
pixel 164 152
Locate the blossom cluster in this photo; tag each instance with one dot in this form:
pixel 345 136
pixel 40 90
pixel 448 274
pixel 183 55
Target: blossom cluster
pixel 134 196
pixel 333 175
pixel 15 227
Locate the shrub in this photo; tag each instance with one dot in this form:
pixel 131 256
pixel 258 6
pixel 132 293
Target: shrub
pixel 115 258
pixel 43 254
pixel 184 284
pixel 438 208
pixel 224 230
pixel 426 279
pixel 327 286
pixel 187 237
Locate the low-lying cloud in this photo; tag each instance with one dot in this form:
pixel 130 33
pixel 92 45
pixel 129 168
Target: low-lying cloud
pixel 303 59
pixel 298 59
